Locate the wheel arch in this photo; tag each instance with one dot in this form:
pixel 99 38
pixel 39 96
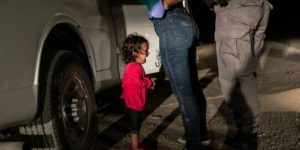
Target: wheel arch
pixel 73 43
pixel 65 34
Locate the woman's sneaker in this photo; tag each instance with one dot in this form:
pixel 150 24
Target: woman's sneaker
pixel 182 139
pixel 205 140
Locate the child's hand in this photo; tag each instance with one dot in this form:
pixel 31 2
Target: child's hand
pixel 153 83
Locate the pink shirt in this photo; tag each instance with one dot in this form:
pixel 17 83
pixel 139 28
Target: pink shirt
pixel 135 85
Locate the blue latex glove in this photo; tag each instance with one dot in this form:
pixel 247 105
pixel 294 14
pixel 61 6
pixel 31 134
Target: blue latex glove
pixel 157 10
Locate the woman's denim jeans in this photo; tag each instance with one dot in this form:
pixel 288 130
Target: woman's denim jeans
pixel 177 36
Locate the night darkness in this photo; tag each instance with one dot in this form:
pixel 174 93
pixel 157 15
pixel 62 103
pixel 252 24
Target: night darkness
pixel 283 23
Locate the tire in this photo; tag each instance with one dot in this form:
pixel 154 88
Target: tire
pixel 69 109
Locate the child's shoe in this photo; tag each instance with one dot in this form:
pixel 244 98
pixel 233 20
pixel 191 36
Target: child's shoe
pixel 140 147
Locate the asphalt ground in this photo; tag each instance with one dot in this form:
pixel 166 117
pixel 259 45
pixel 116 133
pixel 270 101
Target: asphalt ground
pixel 279 127
pixel 278 77
pixel 279 95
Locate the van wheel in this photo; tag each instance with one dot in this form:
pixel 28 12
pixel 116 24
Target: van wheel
pixel 69 113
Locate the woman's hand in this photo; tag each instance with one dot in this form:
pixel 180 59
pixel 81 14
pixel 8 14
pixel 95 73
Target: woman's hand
pixel 157 10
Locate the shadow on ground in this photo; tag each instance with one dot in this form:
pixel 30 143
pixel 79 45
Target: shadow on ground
pixel 108 137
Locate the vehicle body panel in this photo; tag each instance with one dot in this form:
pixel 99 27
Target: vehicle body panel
pixel 145 27
pixel 25 26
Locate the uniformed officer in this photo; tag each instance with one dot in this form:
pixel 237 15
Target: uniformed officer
pixel 239 34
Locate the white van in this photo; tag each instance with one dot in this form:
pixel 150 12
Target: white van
pixel 55 55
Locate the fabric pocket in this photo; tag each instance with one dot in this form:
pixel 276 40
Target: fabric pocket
pixel 228 53
pixel 247 12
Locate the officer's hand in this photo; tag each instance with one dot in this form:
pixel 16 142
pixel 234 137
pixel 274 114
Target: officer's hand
pixel 210 3
pixel 157 11
pixel 222 3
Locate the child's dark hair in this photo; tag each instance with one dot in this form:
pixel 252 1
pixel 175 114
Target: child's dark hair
pixel 132 44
